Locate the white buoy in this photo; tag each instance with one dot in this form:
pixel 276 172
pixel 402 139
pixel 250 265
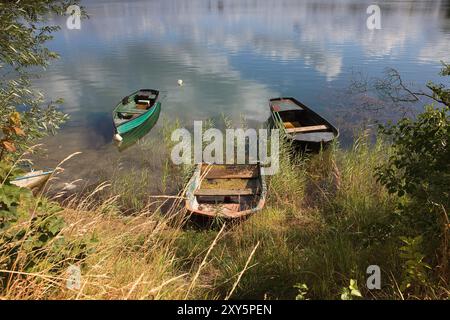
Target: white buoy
pixel 180 82
pixel 118 137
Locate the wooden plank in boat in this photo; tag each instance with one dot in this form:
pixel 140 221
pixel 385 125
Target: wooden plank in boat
pixel 225 192
pixel 307 129
pixel 132 111
pixel 232 172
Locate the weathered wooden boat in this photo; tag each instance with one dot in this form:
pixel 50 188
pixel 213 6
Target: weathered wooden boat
pixel 300 123
pixel 226 191
pixel 33 180
pixel 131 137
pixel 135 109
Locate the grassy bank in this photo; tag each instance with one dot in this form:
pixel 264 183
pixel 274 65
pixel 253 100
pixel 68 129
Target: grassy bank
pixel 326 220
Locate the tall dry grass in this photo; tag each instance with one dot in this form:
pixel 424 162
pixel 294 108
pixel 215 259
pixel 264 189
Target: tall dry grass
pixel 326 220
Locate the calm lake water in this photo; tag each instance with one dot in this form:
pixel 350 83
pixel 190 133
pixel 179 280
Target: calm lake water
pixel 232 56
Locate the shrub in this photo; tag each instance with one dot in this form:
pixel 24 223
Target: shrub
pixel 30 230
pixel 418 171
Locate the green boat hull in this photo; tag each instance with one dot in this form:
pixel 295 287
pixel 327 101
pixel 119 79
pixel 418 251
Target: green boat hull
pixel 128 116
pixel 134 123
pixel 132 136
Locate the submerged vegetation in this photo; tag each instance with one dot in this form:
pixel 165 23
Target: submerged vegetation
pixel 328 216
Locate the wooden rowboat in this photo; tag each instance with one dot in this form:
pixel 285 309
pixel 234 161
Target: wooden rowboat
pixel 135 109
pixel 227 191
pixel 300 123
pixel 33 180
pixel 131 137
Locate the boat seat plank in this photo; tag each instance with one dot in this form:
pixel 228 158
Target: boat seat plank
pixel 232 172
pixel 238 175
pixel 132 111
pixel 307 129
pixel 225 192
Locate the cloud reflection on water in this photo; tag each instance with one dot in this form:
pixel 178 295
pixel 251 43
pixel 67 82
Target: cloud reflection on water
pixel 233 55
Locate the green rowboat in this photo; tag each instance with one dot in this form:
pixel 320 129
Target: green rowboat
pixel 132 136
pixel 135 109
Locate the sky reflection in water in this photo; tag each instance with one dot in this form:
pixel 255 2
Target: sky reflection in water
pixel 232 56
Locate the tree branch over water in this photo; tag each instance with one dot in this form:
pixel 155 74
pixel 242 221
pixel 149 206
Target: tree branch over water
pixel 392 89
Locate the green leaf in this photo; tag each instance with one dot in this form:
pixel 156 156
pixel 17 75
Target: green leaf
pixel 355 292
pixel 10 195
pixel 345 295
